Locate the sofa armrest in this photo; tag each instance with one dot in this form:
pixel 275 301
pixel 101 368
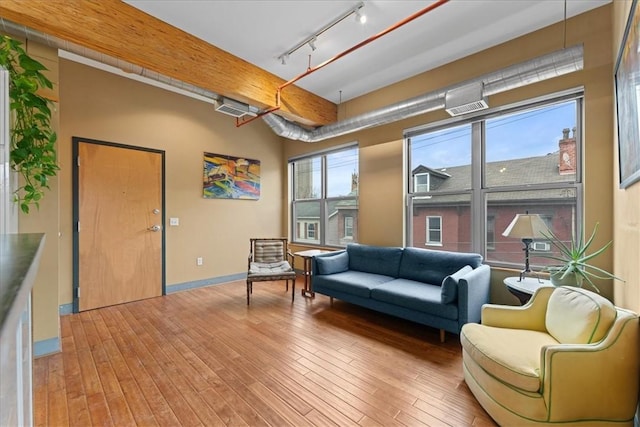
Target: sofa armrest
pixel 473 292
pixel 579 378
pixel 530 316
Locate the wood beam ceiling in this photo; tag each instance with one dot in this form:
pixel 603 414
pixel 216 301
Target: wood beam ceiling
pixel 124 32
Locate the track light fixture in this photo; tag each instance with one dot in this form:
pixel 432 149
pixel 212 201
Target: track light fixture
pixel 311 40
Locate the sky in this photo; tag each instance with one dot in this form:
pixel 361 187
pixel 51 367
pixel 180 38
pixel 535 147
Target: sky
pixel 519 135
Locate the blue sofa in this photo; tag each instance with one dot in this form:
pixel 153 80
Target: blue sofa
pixel 440 289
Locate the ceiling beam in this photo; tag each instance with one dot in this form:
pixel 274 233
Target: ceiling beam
pixel 124 32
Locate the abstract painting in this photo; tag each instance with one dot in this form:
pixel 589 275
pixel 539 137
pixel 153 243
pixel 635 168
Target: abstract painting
pixel 229 177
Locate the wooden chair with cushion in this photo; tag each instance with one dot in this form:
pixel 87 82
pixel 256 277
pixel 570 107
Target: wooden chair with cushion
pixel 270 259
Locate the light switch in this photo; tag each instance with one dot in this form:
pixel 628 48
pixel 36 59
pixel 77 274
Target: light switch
pixel 174 221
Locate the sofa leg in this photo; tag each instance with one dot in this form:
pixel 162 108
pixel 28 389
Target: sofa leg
pixel 330 300
pixel 442 334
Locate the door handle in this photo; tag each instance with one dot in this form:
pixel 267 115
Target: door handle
pixel 155 227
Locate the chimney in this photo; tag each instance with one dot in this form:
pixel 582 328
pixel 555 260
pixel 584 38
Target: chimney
pixel 567 147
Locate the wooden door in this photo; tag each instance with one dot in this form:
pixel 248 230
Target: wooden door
pixel 119 235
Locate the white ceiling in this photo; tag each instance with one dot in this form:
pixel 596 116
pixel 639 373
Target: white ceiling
pixel 259 31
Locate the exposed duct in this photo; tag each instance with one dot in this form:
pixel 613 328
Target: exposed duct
pixel 538 69
pixel 129 68
pixel 535 70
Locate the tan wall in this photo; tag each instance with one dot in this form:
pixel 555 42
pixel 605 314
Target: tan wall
pixel 46 220
pixel 103 106
pixel 381 217
pixel 626 202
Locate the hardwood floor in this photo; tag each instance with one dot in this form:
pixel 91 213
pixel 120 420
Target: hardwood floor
pixel 203 358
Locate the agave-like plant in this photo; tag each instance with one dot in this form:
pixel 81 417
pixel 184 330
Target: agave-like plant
pixel 575 260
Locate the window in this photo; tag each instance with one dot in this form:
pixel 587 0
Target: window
pixel 348 227
pixel 486 169
pixel 434 230
pixel 311 231
pixel 421 183
pixel 325 197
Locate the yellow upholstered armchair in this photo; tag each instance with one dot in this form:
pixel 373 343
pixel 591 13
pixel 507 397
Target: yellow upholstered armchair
pixel 568 357
pixel 270 259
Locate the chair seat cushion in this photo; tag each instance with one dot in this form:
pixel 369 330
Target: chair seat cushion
pixel 512 355
pixel 270 268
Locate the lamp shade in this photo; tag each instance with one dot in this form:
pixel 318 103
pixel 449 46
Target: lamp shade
pixel 526 226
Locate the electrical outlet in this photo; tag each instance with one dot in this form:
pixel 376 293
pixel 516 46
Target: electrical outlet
pixel 199 261
pixel 174 221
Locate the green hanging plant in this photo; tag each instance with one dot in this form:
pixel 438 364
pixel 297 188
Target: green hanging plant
pixel 32 150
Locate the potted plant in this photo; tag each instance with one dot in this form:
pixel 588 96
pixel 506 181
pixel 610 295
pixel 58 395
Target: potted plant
pixel 32 150
pixel 574 268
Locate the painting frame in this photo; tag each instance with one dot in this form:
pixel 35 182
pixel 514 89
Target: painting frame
pixel 627 93
pixel 230 177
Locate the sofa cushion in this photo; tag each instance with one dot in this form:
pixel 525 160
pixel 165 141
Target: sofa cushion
pixel 374 259
pixel 414 295
pixel 429 266
pixel 449 291
pixel 576 316
pixel 512 355
pixel 351 282
pixel 331 264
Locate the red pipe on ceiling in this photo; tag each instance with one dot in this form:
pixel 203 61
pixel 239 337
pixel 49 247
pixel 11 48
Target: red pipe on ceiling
pixel 340 55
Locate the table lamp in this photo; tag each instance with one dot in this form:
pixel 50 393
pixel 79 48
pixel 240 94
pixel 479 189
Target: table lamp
pixel 526 227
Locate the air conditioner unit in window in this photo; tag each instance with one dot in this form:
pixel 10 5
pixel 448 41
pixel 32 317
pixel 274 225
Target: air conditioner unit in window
pixel 541 246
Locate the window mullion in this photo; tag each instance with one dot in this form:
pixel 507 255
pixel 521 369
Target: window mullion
pixel 477 184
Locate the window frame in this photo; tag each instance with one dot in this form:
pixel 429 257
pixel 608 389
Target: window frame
pixel 416 186
pixel 348 227
pixel 428 241
pixel 479 192
pixel 323 200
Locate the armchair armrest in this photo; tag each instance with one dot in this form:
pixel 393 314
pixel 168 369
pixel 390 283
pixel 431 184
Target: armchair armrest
pixel 530 316
pixel 579 378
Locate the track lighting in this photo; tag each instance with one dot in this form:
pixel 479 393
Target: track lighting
pixel 311 40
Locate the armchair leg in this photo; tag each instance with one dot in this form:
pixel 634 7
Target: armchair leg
pixel 293 290
pixel 330 300
pixel 248 291
pixel 442 334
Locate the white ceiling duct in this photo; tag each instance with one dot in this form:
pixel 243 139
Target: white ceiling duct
pixel 535 70
pixel 538 69
pixel 465 99
pixel 233 108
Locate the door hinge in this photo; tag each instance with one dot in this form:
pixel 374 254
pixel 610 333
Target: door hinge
pixel 78 292
pixel 78 227
pixel 78 161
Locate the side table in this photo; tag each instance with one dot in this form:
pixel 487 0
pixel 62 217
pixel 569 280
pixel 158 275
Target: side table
pixel 525 288
pixel 306 262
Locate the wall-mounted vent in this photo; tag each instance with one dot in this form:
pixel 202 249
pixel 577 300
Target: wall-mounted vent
pixel 233 108
pixel 465 99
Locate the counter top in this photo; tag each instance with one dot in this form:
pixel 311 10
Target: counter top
pixel 19 259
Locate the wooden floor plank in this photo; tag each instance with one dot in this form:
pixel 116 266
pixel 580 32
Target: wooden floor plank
pixel 203 357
